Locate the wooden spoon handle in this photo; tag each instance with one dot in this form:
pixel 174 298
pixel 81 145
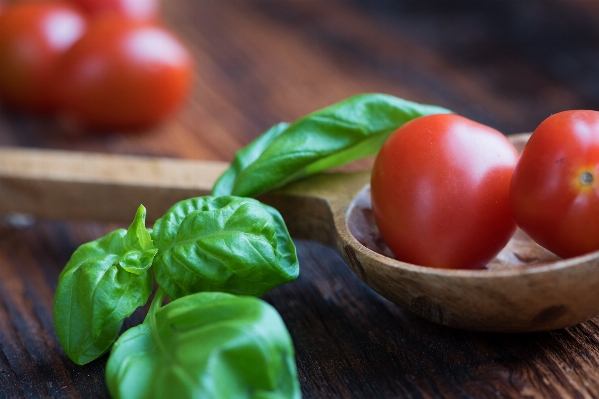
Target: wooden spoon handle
pixel 85 186
pixel 75 185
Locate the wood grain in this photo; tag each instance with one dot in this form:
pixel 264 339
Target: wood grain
pixel 101 187
pixel 505 63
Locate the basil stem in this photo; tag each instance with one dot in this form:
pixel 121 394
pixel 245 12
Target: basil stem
pixel 103 283
pixel 206 345
pixel 349 130
pixel 229 244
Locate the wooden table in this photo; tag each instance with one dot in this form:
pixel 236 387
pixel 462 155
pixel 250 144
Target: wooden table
pixel 508 64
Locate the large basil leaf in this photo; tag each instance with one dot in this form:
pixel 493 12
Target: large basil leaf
pixel 229 244
pixel 351 129
pixel 207 345
pixel 245 157
pixel 104 282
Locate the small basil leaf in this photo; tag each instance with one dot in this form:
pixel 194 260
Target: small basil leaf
pixel 206 345
pixel 229 244
pixel 104 282
pixel 349 130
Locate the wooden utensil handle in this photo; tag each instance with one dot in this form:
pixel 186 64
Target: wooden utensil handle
pixel 103 187
pixel 75 185
pixel 87 186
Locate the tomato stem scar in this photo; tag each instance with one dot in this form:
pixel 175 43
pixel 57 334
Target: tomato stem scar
pixel 586 178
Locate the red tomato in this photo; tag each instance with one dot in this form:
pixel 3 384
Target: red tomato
pixel 124 75
pixel 440 192
pixel 555 188
pixel 135 9
pixel 33 37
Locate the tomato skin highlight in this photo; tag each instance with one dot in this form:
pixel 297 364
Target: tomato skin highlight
pixel 440 192
pixel 554 193
pixel 33 38
pixel 134 9
pixel 124 74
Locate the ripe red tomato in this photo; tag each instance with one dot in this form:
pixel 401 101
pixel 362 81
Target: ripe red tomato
pixel 124 75
pixel 33 37
pixel 135 9
pixel 440 192
pixel 554 194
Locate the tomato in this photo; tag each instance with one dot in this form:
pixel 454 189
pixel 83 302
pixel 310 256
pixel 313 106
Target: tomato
pixel 124 75
pixel 33 37
pixel 555 188
pixel 135 9
pixel 440 192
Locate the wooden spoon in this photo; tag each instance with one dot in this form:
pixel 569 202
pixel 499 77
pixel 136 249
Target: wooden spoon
pixel 526 288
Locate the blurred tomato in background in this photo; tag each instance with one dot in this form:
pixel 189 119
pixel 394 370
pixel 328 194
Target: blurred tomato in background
pixel 33 37
pixel 133 9
pixel 104 64
pixel 124 74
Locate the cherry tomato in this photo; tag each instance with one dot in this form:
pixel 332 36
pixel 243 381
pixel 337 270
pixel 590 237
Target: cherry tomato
pixel 124 75
pixel 440 192
pixel 33 37
pixel 555 188
pixel 135 9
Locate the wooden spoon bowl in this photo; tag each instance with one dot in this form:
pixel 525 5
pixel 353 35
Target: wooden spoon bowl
pixel 525 288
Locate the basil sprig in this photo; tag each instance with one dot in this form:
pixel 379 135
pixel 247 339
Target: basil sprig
pixel 205 345
pixel 103 283
pixel 341 133
pixel 228 244
pixel 231 244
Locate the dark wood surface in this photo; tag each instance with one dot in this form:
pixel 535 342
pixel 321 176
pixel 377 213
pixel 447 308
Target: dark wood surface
pixel 508 64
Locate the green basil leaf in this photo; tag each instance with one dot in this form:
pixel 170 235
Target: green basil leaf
pixel 245 157
pixel 104 282
pixel 349 130
pixel 206 345
pixel 229 244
